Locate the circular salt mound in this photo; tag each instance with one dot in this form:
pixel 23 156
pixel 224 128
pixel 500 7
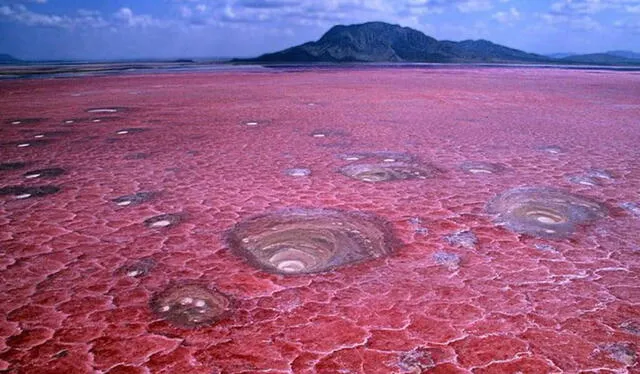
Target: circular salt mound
pixel 302 241
pixel 190 305
pixel 162 221
pixel 298 172
pixel 44 173
pixel 135 199
pixel 482 167
pixel 25 192
pixel 374 173
pixel 544 212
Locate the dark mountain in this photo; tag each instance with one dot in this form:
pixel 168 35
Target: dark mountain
pixel 561 55
pixel 382 42
pixel 8 59
pixel 484 50
pixel 599 59
pixel 625 54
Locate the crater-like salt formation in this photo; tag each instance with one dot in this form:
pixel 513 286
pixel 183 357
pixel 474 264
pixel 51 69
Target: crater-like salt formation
pixel 387 172
pixel 253 123
pixel 600 174
pixel 462 238
pixel 104 119
pixel 584 180
pixel 44 173
pixel 131 130
pixel 31 143
pixel 106 110
pixel 136 156
pixel 25 121
pixel 631 207
pixel 23 192
pixel 630 327
pixel 482 167
pixel 381 156
pixel 12 165
pixel 135 199
pixel 449 260
pixel 138 269
pixel 553 149
pixel 418 360
pixel 325 133
pixel 593 177
pixel 544 212
pixel 190 305
pixel 49 134
pixel 298 172
pixel 622 352
pixel 162 220
pixel 302 241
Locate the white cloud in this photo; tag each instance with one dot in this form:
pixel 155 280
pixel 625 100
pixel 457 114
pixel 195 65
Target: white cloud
pixel 21 14
pixel 468 6
pixel 509 17
pixel 632 26
pixel 582 7
pixel 185 11
pixel 82 18
pixel 316 15
pixel 585 14
pixel 578 7
pixel 127 16
pixel 633 8
pixel 24 1
pixel 321 13
pixel 583 23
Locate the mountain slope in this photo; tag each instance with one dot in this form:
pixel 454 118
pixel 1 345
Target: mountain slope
pixel 600 59
pixel 383 42
pixel 8 59
pixel 484 50
pixel 560 55
pixel 625 54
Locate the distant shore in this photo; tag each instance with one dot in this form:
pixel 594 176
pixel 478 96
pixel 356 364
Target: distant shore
pixel 74 69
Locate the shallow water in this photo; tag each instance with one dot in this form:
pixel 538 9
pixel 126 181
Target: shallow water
pixel 153 172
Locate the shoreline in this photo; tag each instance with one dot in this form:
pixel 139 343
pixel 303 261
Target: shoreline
pixel 67 70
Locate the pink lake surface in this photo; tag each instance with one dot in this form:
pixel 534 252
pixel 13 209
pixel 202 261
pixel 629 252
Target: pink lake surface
pixel 505 304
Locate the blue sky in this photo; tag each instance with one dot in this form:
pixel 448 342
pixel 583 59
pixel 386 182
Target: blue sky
pixel 114 29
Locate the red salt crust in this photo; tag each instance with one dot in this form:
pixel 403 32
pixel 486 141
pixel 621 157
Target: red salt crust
pixel 509 306
pixel 52 357
pixel 525 365
pixel 126 369
pixel 106 351
pixel 29 338
pixel 480 351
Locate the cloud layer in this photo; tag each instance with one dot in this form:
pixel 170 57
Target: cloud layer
pixel 574 13
pixel 272 23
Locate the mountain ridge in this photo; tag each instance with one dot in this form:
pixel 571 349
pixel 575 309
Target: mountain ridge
pixel 383 42
pixel 606 58
pixel 8 59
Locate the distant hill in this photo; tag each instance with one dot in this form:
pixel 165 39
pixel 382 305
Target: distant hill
pixel 625 54
pixel 601 59
pixel 561 55
pixel 604 58
pixel 383 42
pixel 8 59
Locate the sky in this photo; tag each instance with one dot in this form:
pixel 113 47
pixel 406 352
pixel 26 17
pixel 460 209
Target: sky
pixel 138 29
